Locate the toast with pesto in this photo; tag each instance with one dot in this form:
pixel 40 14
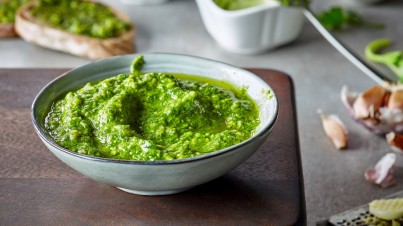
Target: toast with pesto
pixel 83 28
pixel 8 8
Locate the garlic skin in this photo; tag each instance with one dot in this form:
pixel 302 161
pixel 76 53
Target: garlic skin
pixel 395 100
pixel 382 173
pixel 395 141
pixel 335 130
pixel 379 109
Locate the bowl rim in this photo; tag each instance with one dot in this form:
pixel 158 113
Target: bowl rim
pixel 241 12
pixel 57 147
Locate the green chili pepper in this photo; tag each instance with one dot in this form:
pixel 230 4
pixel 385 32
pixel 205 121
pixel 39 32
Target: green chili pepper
pixel 392 59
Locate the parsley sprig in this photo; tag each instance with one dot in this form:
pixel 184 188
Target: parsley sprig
pixel 337 18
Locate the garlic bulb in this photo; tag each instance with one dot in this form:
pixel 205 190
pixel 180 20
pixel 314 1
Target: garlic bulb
pixel 380 108
pixel 369 102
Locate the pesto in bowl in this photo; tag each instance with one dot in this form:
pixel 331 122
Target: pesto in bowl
pixel 238 4
pixel 160 177
pixel 152 116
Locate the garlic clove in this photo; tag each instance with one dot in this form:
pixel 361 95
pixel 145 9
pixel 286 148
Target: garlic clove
pixel 335 130
pixel 382 173
pixel 369 102
pixel 396 99
pixel 395 141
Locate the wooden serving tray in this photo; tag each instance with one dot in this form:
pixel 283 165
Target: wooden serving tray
pixel 38 189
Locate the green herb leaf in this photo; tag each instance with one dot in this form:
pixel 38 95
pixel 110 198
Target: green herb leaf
pixel 333 19
pixel 337 18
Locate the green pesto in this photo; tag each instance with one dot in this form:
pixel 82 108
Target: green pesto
pixel 267 93
pixel 152 116
pixel 137 64
pixel 237 4
pixel 8 9
pixel 80 17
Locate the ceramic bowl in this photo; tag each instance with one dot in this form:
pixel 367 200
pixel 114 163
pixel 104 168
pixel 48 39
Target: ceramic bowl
pixel 157 177
pixel 251 30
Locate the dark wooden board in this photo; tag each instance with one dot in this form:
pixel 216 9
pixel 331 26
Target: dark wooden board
pixel 38 189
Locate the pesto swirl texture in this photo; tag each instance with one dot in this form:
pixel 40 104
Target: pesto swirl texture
pixel 152 116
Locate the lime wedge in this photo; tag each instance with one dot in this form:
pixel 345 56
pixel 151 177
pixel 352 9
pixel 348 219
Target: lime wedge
pixel 388 209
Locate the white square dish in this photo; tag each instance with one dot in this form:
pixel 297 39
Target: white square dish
pixel 251 30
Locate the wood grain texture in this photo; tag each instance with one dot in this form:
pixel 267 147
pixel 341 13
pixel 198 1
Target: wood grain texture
pixel 37 189
pixel 25 156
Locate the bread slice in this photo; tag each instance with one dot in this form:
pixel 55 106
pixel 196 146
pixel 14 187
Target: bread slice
pixel 7 31
pixel 32 30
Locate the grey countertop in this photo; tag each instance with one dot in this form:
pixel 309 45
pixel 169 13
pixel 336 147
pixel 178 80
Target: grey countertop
pixel 333 179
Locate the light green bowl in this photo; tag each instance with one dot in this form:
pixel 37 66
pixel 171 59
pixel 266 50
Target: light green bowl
pixel 157 177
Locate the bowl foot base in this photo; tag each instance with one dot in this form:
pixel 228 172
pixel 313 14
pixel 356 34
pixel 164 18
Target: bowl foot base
pixel 153 193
